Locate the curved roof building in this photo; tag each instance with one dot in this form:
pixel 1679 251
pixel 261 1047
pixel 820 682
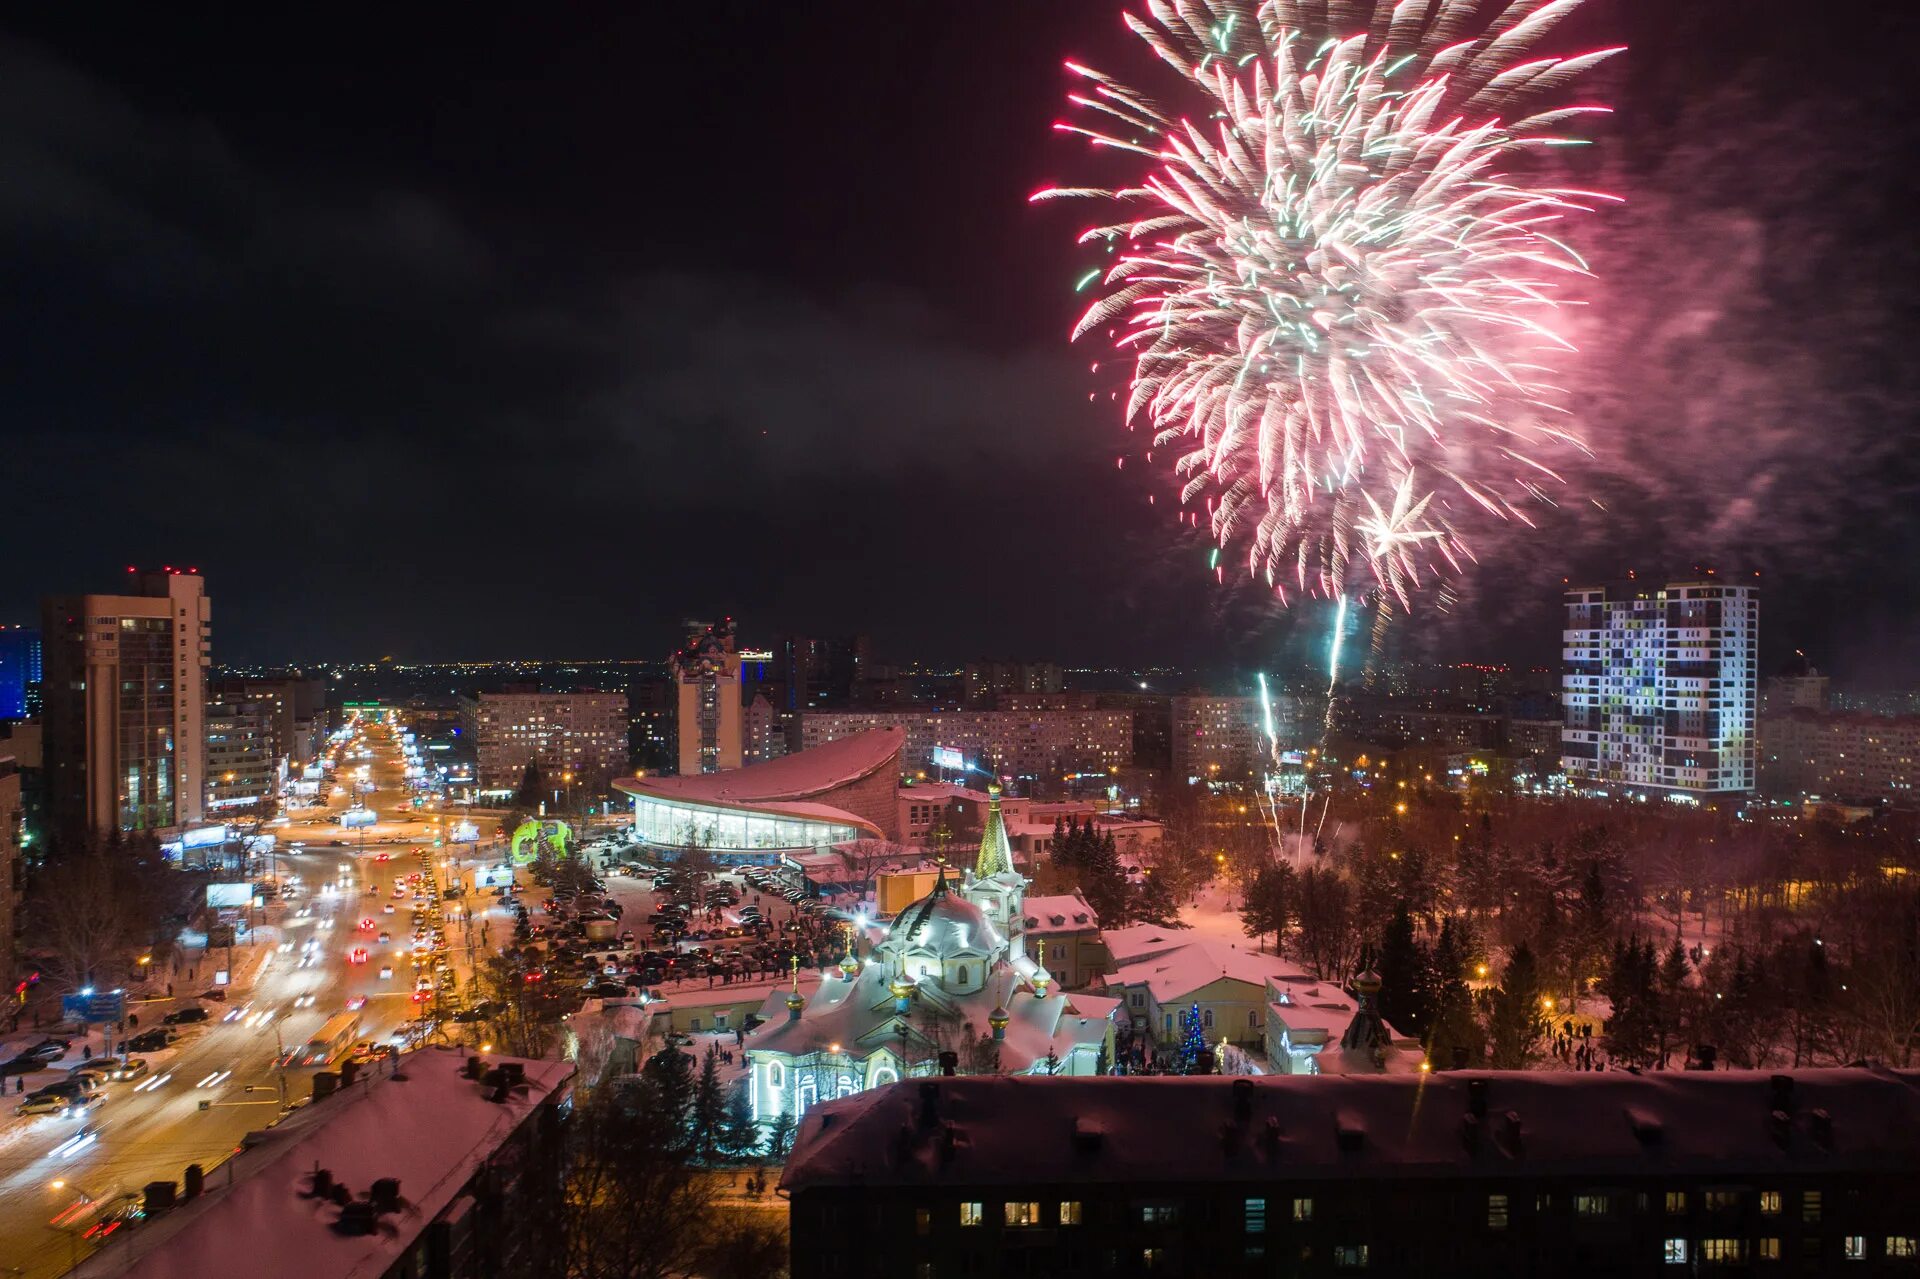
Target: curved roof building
pixel 834 793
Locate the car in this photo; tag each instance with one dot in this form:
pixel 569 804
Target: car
pixel 388 908
pixel 46 1104
pixel 386 972
pixel 131 1068
pixel 356 1003
pixel 386 936
pixel 183 1016
pixel 150 1041
pixel 46 1050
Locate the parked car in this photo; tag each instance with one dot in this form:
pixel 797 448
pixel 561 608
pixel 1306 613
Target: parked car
pixel 148 1041
pixel 45 1103
pixel 182 1016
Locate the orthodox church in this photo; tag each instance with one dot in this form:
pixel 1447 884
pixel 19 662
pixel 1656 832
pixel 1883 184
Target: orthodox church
pixel 950 974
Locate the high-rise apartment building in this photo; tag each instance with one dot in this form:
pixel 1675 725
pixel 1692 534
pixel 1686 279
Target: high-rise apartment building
pixel 19 672
pixel 125 702
pixel 12 866
pixel 244 770
pixel 981 682
pixel 583 733
pixel 707 672
pixel 1216 739
pixel 1659 687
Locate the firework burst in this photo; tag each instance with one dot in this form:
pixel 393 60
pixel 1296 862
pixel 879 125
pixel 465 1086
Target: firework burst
pixel 1336 298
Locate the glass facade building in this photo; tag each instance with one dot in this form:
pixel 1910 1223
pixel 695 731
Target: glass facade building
pixel 667 824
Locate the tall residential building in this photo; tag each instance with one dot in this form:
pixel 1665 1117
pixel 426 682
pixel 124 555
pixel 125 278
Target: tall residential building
pixel 582 732
pixel 981 682
pixel 293 709
pixel 19 672
pixel 707 672
pixel 1038 745
pixel 12 866
pixel 1216 739
pixel 1797 686
pixel 1839 755
pixel 125 700
pixel 1659 687
pixel 244 769
pixel 765 737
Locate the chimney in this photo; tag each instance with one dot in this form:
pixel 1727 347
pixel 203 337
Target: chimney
pixel 386 1195
pixel 1782 1086
pixel 357 1218
pixel 349 1071
pixel 322 1183
pixel 159 1197
pixel 1243 1099
pixel 323 1085
pixel 949 1064
pixel 1477 1098
pixel 929 1103
pixel 475 1068
pixel 196 1180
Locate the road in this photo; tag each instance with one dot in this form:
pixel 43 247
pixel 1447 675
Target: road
pixel 153 1133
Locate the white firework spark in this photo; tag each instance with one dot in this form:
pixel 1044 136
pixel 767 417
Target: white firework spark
pixel 1332 283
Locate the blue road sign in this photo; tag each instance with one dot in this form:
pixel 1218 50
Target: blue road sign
pixel 110 1006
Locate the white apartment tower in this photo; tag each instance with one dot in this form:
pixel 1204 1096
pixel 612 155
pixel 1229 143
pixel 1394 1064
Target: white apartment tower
pixel 1659 686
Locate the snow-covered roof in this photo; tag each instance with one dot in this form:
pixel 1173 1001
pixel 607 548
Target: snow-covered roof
pixel 1062 913
pixel 935 792
pixel 1141 941
pixel 428 1125
pixel 1174 974
pixel 786 783
pixel 987 1131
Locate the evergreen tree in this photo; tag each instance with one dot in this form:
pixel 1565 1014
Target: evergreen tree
pixel 1193 1057
pixel 532 791
pixel 1406 971
pixel 1674 996
pixel 1517 1022
pixel 1455 1026
pixel 740 1139
pixel 667 1080
pixel 780 1140
pixel 1269 904
pixel 709 1109
pixel 1152 902
pixel 1632 984
pixel 1103 1061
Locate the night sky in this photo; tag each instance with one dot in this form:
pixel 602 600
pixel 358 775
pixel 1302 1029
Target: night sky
pixel 470 336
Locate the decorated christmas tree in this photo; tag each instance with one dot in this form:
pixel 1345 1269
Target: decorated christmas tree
pixel 1194 1057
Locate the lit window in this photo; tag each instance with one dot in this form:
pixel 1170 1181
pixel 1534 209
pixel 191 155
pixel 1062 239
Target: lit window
pixel 1303 1210
pixel 1722 1200
pixel 1769 1202
pixel 1767 1250
pixel 1674 1253
pixel 1496 1212
pixel 1159 1214
pixel 1254 1213
pixel 1069 1212
pixel 1854 1247
pixel 1903 1246
pixel 1350 1256
pixel 1023 1212
pixel 922 1221
pixel 971 1214
pixel 1810 1206
pixel 1153 1258
pixel 1721 1251
pixel 1590 1205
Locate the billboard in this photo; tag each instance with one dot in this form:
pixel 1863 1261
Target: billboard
pixel 948 757
pixel 357 817
pixel 232 895
pixel 107 1006
pixel 204 837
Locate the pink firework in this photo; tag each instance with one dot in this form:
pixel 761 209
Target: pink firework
pixel 1337 298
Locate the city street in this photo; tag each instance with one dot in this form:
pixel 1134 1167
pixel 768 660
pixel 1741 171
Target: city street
pixel 293 976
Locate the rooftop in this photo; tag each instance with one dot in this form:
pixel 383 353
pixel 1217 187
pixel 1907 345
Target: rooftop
pixel 429 1126
pixel 1191 963
pixel 983 1130
pixel 785 785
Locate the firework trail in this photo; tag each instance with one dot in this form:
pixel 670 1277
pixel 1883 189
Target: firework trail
pixel 1337 300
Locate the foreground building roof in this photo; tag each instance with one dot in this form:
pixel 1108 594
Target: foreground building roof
pixel 427 1125
pixel 984 1130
